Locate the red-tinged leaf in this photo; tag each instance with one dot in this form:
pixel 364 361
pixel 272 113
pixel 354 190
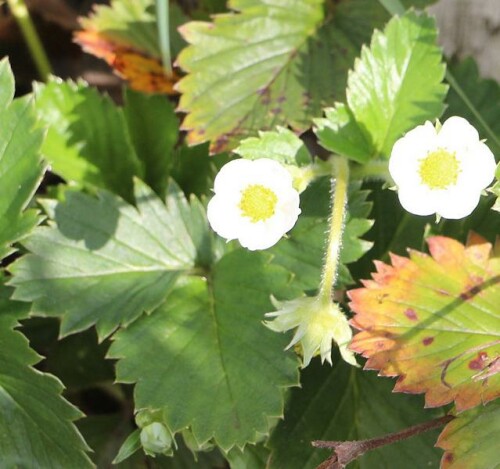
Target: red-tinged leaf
pixel 434 321
pixel 469 440
pixel 143 72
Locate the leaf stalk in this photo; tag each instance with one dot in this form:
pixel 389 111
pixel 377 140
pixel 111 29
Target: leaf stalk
pixel 23 19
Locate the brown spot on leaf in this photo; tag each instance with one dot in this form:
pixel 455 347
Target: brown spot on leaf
pixel 480 362
pixel 428 340
pixel 411 314
pixel 448 457
pixel 281 99
pixel 276 110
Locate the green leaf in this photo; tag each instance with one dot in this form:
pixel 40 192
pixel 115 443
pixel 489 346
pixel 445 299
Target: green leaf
pixel 36 428
pixel 154 130
pixel 21 167
pixel 340 133
pixel 396 84
pixel 87 140
pixel 483 94
pixel 273 63
pixel 206 360
pixel 345 403
pixel 302 252
pixel 131 445
pixel 468 440
pixel 281 145
pixel 106 262
pixel 253 457
pixel 195 171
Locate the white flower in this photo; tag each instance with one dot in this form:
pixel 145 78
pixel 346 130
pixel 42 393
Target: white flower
pixel 254 202
pixel 441 170
pixel 319 322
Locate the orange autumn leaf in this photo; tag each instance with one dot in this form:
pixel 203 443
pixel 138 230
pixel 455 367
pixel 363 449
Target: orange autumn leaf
pixel 434 321
pixel 143 72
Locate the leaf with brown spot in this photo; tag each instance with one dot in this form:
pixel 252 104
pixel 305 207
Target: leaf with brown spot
pixel 268 64
pixel 144 73
pixel 125 36
pixel 470 440
pixel 433 320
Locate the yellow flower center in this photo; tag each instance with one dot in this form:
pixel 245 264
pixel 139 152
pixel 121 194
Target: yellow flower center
pixel 257 202
pixel 439 169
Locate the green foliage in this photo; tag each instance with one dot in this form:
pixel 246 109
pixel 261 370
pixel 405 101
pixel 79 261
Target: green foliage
pixel 154 130
pixel 395 85
pixel 208 340
pixel 35 421
pixel 344 403
pixel 126 275
pixel 72 112
pixel 104 262
pixel 281 145
pixel 469 438
pixel 21 167
pixel 268 65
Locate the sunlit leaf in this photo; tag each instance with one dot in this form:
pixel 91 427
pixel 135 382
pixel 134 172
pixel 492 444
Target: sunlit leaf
pixel 272 63
pixel 87 140
pixel 104 262
pixel 36 426
pixel 207 341
pixel 469 440
pixel 21 167
pixel 281 145
pixel 396 85
pixel 124 34
pixel 434 321
pixel 345 403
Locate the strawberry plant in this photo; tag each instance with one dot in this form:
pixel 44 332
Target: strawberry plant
pixel 205 271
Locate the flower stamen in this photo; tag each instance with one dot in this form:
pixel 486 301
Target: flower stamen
pixel 257 202
pixel 439 169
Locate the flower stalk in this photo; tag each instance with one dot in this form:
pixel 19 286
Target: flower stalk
pixel 23 19
pixel 339 204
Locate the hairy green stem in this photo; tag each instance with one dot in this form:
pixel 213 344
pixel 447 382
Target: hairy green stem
pixel 163 22
pixel 22 16
pixel 339 204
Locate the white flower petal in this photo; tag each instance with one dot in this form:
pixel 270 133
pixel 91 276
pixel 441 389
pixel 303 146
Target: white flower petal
pixel 417 200
pixel 456 133
pixel 232 175
pixel 457 203
pixel 223 217
pixel 478 166
pixel 229 221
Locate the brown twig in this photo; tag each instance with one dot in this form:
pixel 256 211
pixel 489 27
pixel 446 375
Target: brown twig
pixel 345 452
